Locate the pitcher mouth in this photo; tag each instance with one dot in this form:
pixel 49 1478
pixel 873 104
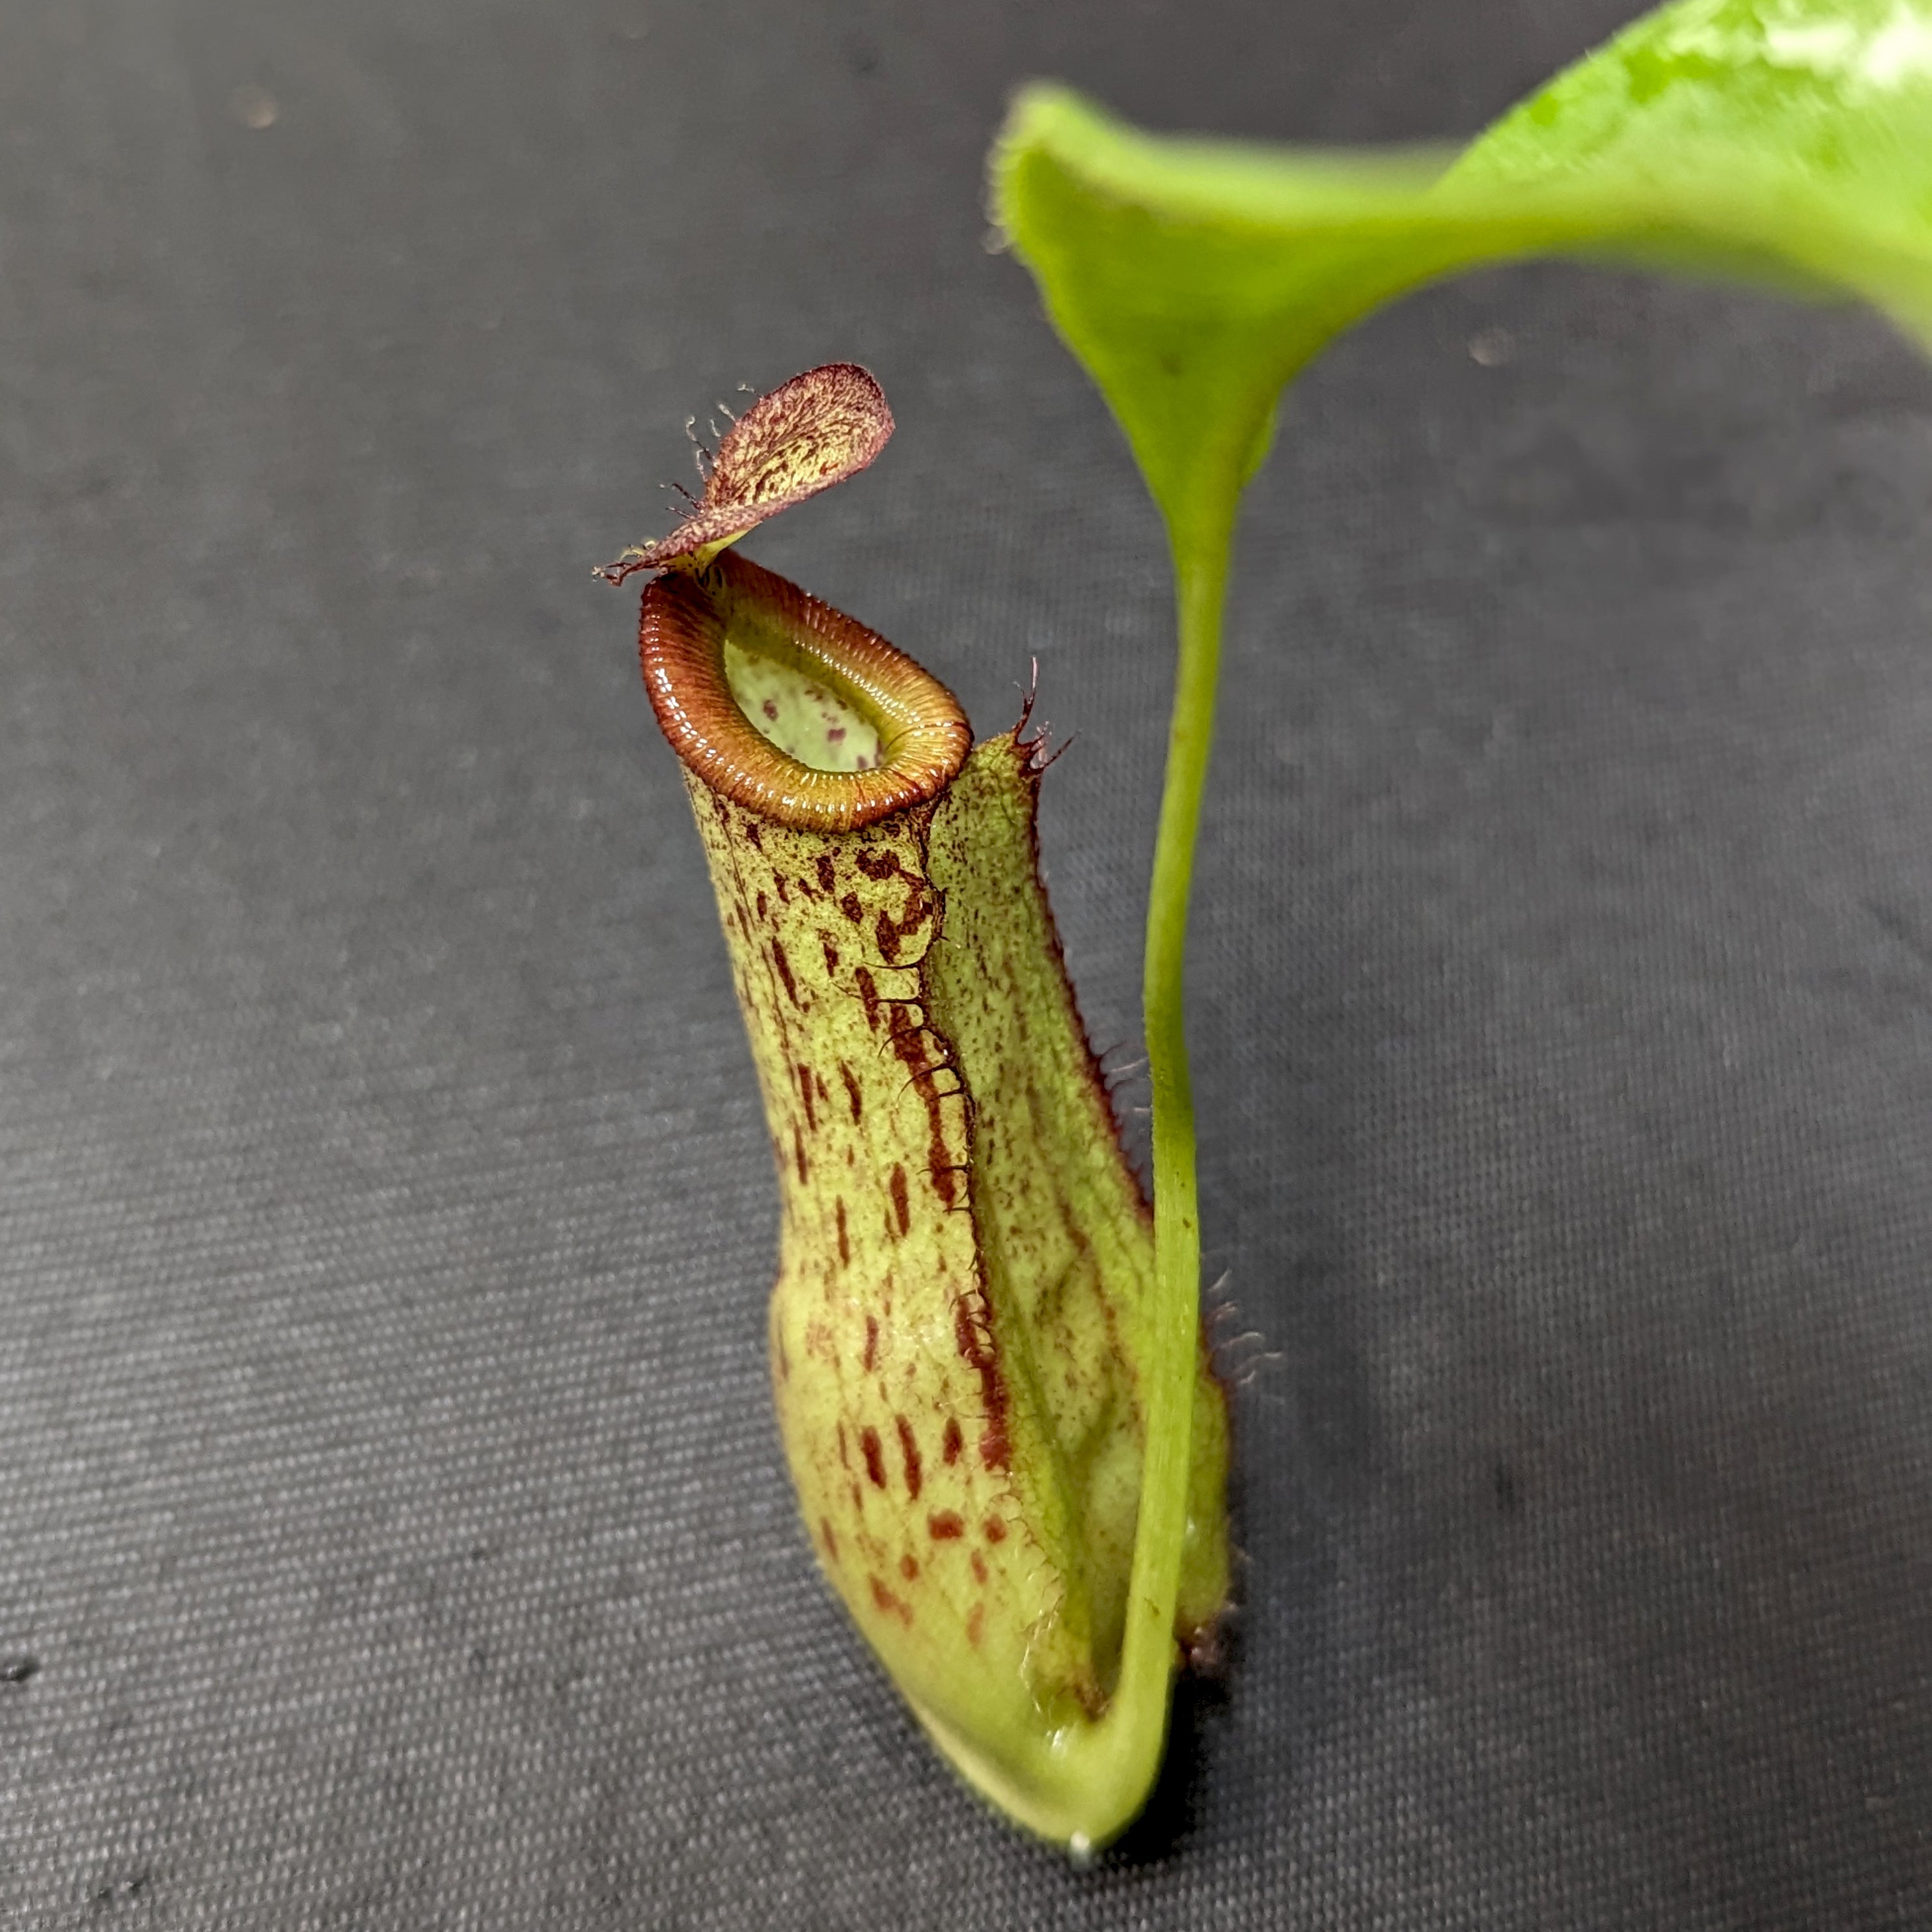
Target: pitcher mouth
pixel 788 707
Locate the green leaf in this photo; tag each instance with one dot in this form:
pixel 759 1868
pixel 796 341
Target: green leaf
pixel 1789 144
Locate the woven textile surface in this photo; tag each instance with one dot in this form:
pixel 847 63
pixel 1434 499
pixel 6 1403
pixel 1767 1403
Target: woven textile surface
pixel 393 1532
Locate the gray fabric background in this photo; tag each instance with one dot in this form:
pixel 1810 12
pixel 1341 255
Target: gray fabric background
pixel 392 1531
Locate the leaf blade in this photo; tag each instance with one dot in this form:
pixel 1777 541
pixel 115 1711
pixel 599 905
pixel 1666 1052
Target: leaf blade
pixel 1195 278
